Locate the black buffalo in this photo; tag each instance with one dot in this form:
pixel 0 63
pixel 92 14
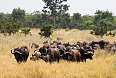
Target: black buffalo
pixel 21 53
pixel 43 50
pixel 103 43
pixel 95 45
pixel 86 54
pixel 61 49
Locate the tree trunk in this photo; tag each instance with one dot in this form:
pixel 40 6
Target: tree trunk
pixel 54 18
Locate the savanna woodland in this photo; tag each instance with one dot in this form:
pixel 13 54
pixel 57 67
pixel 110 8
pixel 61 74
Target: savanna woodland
pixel 51 43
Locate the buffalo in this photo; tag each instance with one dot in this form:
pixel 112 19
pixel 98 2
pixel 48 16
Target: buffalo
pixel 21 54
pixel 35 56
pixel 43 50
pixel 103 43
pixel 72 55
pixel 47 58
pixel 111 47
pixel 54 52
pixel 35 45
pixel 86 54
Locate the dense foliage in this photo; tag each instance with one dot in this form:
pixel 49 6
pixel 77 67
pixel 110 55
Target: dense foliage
pixel 46 31
pixel 37 19
pixel 9 27
pixel 26 31
pixel 58 18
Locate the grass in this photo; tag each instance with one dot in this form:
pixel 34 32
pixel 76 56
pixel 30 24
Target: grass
pixel 102 66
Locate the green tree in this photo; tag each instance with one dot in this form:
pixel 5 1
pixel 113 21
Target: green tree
pixel 66 21
pixel 26 31
pixel 87 23
pixel 1 16
pixel 104 22
pixel 53 7
pixel 37 19
pixel 45 18
pixel 100 15
pixel 46 31
pixel 103 28
pixel 9 27
pixel 77 17
pixel 18 14
pixel 99 31
pixel 6 16
pixel 3 27
pixel 76 20
pixel 28 20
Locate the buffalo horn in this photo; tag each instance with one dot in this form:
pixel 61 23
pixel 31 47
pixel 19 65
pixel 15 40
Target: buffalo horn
pixel 18 52
pixel 88 53
pixel 12 52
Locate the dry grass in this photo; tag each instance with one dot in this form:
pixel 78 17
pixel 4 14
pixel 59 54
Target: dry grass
pixel 102 66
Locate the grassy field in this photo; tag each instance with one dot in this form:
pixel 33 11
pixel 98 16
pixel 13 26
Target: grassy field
pixel 102 66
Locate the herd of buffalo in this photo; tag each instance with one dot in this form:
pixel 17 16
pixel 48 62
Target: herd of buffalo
pixel 56 50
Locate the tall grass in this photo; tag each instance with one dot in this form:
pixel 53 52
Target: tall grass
pixel 102 66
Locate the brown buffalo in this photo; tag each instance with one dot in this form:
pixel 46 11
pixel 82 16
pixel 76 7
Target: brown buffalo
pixel 35 56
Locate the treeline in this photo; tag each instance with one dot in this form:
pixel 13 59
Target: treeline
pixel 20 19
pixel 37 19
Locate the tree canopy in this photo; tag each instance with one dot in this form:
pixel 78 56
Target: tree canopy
pixel 55 15
pixel 54 7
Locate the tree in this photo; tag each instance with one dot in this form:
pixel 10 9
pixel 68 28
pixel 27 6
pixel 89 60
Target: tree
pixel 45 17
pixel 26 31
pixel 77 17
pixel 6 16
pixel 76 20
pixel 54 6
pixel 9 27
pixel 87 23
pixel 28 20
pixel 37 19
pixel 99 31
pixel 100 15
pixel 46 31
pixel 18 14
pixel 65 21
pixel 104 22
pixel 3 27
pixel 103 29
pixel 1 16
